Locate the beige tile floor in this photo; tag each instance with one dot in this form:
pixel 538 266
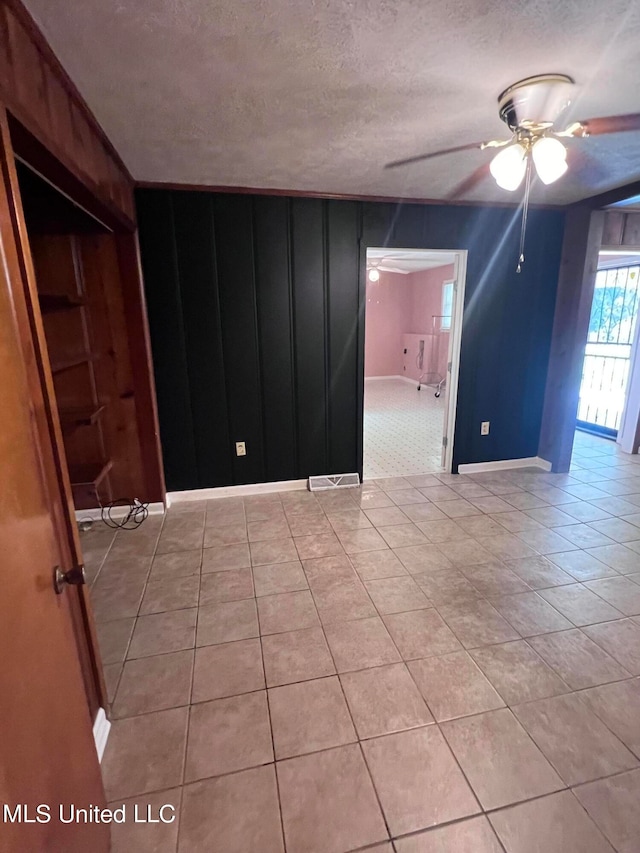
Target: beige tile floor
pixel 423 665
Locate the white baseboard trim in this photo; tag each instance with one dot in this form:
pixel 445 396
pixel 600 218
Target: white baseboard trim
pixel 116 512
pixel 235 491
pixel 394 376
pixel 505 465
pixel 101 727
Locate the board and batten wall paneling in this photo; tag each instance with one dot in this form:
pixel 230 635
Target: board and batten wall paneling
pixel 168 344
pixel 193 225
pixel 274 294
pixel 308 226
pixel 265 338
pixel 343 233
pixel 234 237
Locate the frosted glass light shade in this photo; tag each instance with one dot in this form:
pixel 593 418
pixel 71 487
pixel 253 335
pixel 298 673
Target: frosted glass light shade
pixel 550 159
pixel 374 275
pixel 508 166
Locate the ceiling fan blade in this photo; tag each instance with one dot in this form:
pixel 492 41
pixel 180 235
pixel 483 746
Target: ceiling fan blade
pixel 470 182
pixel 389 268
pixel 420 157
pixel 611 124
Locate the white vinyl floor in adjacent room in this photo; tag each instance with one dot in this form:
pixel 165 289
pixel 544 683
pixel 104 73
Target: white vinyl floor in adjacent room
pixel 402 428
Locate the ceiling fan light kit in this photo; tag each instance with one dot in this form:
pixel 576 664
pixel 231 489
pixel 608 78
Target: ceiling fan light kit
pixel 549 158
pixel 532 109
pixel 508 166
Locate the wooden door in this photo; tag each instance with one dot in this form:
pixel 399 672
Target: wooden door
pixel 47 752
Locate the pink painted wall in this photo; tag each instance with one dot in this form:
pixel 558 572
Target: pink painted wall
pixel 426 303
pixel 389 305
pixel 426 296
pixel 399 305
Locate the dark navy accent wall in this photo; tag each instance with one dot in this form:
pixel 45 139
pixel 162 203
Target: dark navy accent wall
pixel 256 311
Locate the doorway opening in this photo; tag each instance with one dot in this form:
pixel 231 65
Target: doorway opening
pixel 611 344
pixel 413 325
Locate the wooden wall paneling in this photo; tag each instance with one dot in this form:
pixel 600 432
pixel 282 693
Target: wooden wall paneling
pixel 525 305
pixel 113 368
pixel 484 382
pixel 157 240
pixel 582 241
pixel 236 286
pixel 55 262
pixel 309 306
pixel 276 335
pixel 47 162
pixel 538 356
pixel 196 260
pixel 509 318
pixel 28 69
pixel 60 117
pixel 376 229
pixel 139 344
pixel 614 222
pixel 40 95
pixel 377 224
pixel 55 225
pixel 72 340
pixel 343 237
pixel 631 233
pixel 360 340
pixel 6 63
pixel 18 258
pixel 407 226
pixel 84 147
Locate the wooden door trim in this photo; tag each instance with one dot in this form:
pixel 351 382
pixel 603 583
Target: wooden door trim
pixel 24 294
pixel 45 163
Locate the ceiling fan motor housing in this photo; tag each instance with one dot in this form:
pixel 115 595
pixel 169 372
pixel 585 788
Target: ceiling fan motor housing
pixel 536 103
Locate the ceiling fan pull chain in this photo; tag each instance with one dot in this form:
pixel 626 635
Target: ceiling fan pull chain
pixel 525 213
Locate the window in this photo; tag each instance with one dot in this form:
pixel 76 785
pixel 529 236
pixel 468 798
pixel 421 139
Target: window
pixel 607 360
pixel 447 305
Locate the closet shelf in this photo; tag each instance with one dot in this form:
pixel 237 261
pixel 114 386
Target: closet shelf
pixel 72 361
pixel 89 475
pixel 58 301
pixel 80 416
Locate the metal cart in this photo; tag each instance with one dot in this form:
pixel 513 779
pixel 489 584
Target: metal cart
pixel 431 378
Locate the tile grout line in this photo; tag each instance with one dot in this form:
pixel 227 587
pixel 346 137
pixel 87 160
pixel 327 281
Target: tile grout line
pixel 432 604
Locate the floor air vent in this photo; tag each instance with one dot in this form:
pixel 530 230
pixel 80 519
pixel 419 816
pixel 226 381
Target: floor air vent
pixel 333 481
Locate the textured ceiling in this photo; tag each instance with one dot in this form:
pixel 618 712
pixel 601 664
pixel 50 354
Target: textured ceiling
pixel 319 94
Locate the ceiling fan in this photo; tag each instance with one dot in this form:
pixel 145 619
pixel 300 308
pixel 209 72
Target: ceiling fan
pixel 385 264
pixel 532 109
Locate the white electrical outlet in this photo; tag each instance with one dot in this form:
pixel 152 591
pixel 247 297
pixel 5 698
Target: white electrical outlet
pixel 484 428
pixel 241 449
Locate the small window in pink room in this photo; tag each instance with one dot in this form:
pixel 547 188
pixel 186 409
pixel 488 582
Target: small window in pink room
pixel 447 305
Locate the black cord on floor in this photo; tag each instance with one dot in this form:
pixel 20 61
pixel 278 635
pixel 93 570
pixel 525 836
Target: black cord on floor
pixel 137 513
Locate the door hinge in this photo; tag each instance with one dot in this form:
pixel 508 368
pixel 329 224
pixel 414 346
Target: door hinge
pixel 449 368
pixel 445 441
